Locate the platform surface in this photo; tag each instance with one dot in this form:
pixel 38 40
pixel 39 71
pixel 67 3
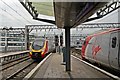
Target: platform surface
pixel 12 53
pixel 53 68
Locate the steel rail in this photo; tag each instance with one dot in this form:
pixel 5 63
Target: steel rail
pixel 14 63
pixel 17 72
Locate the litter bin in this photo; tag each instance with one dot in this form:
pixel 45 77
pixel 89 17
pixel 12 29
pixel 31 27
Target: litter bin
pixel 64 56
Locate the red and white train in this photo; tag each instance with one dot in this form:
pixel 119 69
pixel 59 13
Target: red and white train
pixel 103 48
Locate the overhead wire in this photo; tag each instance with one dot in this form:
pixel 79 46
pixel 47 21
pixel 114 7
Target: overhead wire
pixel 15 11
pixel 19 8
pixel 37 3
pixel 10 14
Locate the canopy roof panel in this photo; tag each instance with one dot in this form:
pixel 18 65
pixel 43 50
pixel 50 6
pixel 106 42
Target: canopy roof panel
pixel 71 14
pixel 45 8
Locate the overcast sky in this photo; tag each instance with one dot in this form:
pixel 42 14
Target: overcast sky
pixel 13 14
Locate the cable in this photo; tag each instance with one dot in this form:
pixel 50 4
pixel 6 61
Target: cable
pixel 11 14
pixel 20 8
pixel 15 11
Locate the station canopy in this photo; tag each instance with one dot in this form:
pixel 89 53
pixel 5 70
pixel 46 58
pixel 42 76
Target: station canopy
pixel 72 14
pixel 67 14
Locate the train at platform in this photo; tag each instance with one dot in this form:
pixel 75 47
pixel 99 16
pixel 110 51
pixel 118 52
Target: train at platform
pixel 40 47
pixel 103 48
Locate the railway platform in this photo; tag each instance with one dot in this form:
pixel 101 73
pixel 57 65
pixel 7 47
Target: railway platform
pixel 12 53
pixel 52 68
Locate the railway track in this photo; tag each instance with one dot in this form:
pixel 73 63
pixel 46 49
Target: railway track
pixel 17 69
pixel 18 73
pixel 8 65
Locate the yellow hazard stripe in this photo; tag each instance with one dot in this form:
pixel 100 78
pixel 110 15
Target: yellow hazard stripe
pixel 44 47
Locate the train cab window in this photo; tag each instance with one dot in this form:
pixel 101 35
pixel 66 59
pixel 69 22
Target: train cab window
pixel 114 42
pixel 84 42
pixel 37 44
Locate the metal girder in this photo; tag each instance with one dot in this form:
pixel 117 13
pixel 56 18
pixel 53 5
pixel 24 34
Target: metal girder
pixel 33 12
pixel 45 20
pixel 14 30
pixel 18 29
pixel 100 25
pixel 108 8
pixel 31 27
pixel 42 27
pixel 21 32
pixel 34 27
pixel 29 7
pixel 92 25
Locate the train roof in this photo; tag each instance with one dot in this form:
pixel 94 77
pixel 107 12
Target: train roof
pixel 104 31
pixel 39 39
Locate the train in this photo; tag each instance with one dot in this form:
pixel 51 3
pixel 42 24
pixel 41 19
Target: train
pixel 103 48
pixel 40 47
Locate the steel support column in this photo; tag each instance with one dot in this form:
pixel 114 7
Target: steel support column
pixel 67 45
pixel 26 38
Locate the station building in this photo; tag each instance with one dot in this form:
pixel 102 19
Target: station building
pixel 14 41
pixel 78 39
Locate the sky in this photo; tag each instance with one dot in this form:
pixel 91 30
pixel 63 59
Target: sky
pixel 13 14
pixel 110 18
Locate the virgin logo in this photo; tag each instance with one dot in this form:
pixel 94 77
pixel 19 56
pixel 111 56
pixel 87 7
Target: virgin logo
pixel 95 50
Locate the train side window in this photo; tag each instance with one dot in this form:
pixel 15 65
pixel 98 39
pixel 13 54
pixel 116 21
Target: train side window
pixel 78 42
pixel 114 41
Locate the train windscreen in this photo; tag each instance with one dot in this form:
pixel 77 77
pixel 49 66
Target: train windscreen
pixel 38 44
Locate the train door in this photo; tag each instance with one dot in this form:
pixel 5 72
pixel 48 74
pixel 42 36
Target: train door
pixel 119 47
pixel 113 53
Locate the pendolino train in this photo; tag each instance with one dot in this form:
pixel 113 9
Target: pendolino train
pixel 103 48
pixel 41 47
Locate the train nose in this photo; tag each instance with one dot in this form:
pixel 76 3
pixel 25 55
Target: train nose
pixel 36 54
